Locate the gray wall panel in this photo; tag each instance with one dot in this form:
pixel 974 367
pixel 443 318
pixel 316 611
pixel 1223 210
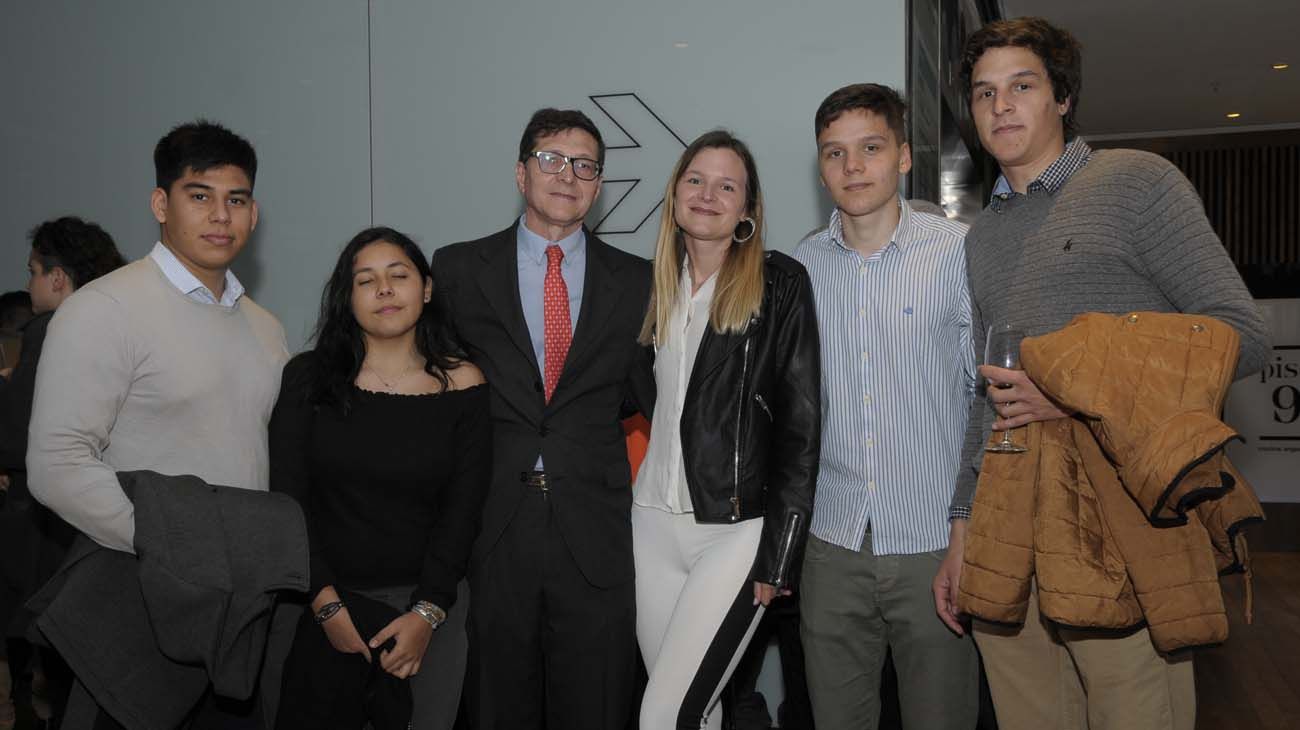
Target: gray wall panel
pixel 89 87
pixel 454 85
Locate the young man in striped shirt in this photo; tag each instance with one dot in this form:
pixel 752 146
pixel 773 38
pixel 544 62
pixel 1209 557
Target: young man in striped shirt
pixel 898 376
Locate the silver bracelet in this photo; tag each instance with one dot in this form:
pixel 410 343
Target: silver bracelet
pixel 327 611
pixel 430 613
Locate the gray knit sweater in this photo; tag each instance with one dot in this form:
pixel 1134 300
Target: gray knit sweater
pixel 1126 232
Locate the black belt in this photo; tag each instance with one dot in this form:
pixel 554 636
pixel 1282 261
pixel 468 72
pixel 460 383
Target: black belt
pixel 536 479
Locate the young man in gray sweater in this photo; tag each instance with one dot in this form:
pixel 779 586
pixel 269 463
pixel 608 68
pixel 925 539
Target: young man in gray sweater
pixel 1072 230
pixel 164 364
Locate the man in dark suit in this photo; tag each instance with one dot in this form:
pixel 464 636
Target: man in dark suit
pixel 551 314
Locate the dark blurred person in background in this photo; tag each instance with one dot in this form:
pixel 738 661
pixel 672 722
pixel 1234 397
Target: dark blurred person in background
pixel 15 310
pixel 66 253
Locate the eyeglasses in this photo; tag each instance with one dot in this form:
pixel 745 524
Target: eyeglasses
pixel 553 163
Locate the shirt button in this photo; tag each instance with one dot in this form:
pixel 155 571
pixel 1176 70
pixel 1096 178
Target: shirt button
pixel 871 486
pixel 866 399
pixel 870 442
pixel 864 354
pixel 862 312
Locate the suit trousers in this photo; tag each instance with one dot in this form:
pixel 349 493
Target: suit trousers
pixel 547 648
pixel 1044 677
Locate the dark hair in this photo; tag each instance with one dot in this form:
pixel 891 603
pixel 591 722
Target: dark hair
pixel 199 146
pixel 82 249
pixel 339 345
pixel 546 122
pixel 1059 51
pixel 15 309
pixel 874 98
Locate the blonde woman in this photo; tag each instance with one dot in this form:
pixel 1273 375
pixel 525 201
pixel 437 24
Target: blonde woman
pixel 721 502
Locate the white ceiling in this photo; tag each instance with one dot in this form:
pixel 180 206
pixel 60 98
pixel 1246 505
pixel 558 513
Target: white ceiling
pixel 1168 65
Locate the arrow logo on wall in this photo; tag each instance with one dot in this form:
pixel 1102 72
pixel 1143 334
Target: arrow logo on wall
pixel 650 146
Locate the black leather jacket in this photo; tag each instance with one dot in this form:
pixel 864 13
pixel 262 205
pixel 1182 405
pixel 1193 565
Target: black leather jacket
pixel 751 424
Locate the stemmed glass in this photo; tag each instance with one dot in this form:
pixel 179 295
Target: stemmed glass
pixel 1002 349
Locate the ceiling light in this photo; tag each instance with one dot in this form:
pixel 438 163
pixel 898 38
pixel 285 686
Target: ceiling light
pixel 1281 66
pixel 1233 115
pixel 680 44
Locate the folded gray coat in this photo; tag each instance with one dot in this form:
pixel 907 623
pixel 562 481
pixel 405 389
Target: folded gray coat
pixel 147 633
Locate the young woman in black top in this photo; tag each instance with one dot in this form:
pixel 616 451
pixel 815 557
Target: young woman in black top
pixel 381 432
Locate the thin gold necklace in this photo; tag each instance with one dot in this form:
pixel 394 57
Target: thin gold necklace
pixel 391 387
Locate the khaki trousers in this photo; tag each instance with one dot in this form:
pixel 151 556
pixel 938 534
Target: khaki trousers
pixel 1043 677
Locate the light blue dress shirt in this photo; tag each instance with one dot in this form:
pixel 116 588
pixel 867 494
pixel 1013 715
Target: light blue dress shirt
pixel 189 284
pixel 532 281
pixel 898 375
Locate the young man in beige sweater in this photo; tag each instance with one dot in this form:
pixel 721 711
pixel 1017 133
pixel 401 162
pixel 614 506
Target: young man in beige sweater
pixel 164 364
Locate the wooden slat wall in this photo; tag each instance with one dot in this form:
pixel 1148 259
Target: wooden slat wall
pixel 1252 198
pixel 1250 184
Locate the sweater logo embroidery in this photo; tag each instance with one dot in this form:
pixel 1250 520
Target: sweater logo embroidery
pixel 1069 243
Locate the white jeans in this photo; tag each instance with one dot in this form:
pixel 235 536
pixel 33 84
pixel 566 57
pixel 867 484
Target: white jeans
pixel 695 612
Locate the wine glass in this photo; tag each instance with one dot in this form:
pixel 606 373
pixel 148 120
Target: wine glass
pixel 1002 349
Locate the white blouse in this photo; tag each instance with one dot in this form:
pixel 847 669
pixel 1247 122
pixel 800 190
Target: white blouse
pixel 661 481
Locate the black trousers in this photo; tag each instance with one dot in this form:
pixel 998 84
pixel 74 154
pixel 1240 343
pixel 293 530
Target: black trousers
pixel 326 690
pixel 547 648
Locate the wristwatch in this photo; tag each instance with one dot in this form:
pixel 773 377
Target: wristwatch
pixel 429 612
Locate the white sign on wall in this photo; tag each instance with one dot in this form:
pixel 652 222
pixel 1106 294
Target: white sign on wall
pixel 1265 409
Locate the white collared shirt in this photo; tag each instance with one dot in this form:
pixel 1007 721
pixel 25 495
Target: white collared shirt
pixel 189 284
pixel 661 481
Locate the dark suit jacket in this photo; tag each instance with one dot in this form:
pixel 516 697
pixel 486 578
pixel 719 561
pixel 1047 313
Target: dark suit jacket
pixel 579 433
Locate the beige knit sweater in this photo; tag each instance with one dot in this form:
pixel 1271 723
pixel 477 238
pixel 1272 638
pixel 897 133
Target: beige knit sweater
pixel 136 375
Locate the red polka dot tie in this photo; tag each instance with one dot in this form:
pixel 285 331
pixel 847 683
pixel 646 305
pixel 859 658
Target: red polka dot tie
pixel 555 308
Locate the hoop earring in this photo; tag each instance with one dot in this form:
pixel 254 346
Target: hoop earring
pixel 752 229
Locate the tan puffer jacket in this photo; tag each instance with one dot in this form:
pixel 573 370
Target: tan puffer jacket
pixel 1129 511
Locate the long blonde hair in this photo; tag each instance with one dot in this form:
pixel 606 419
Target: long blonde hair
pixel 738 294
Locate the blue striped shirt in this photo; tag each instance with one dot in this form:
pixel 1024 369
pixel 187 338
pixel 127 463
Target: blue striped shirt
pixel 898 376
